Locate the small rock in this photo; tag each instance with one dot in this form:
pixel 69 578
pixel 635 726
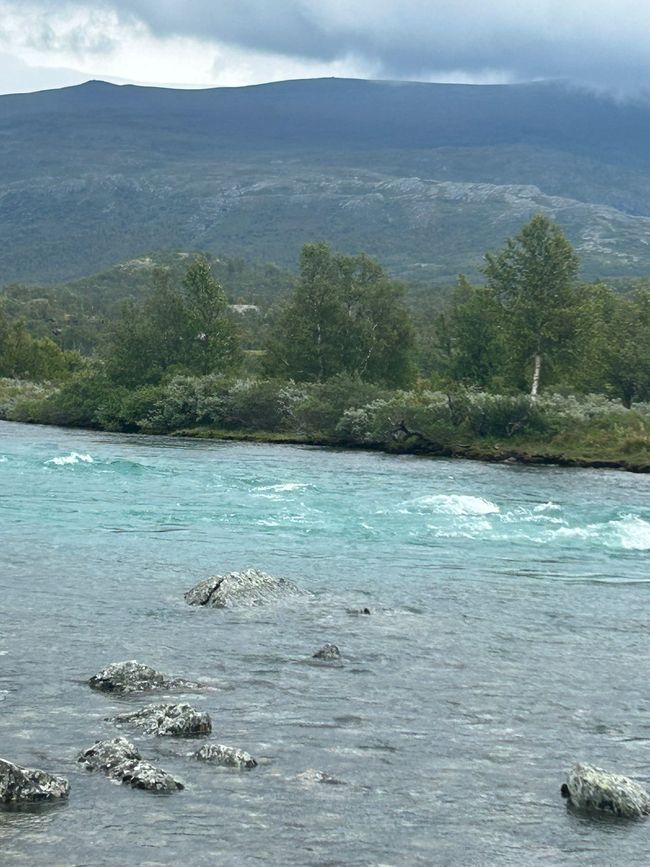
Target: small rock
pixel 595 790
pixel 328 652
pixel 250 587
pixel 230 757
pixel 120 761
pixel 168 720
pixel 132 676
pixel 311 775
pixel 20 785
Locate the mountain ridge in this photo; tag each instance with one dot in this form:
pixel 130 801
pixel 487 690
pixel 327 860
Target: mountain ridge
pixel 98 173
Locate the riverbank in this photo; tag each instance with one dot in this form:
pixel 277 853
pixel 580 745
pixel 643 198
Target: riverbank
pixel 545 454
pixel 572 431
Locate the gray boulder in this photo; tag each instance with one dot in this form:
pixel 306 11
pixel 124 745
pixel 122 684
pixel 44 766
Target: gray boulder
pixel 20 785
pixel 595 790
pixel 328 652
pixel 132 676
pixel 250 587
pixel 120 761
pixel 168 720
pixel 229 757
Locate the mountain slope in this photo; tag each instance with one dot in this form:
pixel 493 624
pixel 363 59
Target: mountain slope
pixel 425 177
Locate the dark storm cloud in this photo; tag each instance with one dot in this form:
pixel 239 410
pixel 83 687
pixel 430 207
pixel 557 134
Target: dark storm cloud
pixel 593 42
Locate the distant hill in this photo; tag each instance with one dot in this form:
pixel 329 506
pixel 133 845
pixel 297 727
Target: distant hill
pixel 425 177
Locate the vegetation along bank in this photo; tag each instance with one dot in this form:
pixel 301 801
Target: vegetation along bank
pixel 532 365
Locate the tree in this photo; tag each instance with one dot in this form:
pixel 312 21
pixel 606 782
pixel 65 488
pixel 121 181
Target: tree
pixel 533 278
pixel 344 317
pixel 174 331
pixel 213 340
pixel 468 336
pixel 625 349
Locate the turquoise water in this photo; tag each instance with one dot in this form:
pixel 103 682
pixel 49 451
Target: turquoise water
pixel 508 638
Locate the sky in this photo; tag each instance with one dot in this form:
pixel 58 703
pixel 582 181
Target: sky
pixel 210 43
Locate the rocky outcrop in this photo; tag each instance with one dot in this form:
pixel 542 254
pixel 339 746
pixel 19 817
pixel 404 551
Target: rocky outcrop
pixel 168 720
pixel 230 757
pixel 132 676
pixel 120 761
pixel 328 653
pixel 20 785
pixel 595 790
pixel 250 587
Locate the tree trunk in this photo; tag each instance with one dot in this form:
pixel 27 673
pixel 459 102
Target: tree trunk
pixel 536 372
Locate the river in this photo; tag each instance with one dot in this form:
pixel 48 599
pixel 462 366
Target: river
pixel 508 638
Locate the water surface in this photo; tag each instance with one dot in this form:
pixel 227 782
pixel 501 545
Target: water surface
pixel 508 638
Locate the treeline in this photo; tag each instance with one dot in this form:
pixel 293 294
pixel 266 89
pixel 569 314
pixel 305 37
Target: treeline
pixel 342 358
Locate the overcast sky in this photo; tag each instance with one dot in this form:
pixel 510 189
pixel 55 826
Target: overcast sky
pixel 206 43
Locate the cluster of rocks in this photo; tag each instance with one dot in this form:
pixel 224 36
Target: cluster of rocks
pixel 588 788
pixel 120 761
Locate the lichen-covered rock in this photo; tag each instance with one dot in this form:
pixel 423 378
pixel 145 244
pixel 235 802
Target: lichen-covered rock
pixel 120 761
pixel 168 720
pixel 593 789
pixel 250 587
pixel 20 785
pixel 132 676
pixel 230 757
pixel 328 652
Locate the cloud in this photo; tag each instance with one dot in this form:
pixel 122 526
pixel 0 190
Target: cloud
pixel 588 41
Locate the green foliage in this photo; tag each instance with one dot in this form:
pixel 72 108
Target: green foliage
pixel 34 358
pixel 174 331
pixel 469 337
pixel 532 278
pixel 344 317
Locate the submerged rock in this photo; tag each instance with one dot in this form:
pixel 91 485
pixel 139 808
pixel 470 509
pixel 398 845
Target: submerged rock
pixel 311 775
pixel 120 761
pixel 20 785
pixel 593 789
pixel 132 676
pixel 171 720
pixel 328 652
pixel 229 757
pixel 250 587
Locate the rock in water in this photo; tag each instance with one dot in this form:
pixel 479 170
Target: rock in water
pixel 120 761
pixel 311 775
pixel 132 676
pixel 328 652
pixel 250 587
pixel 229 757
pixel 28 785
pixel 593 789
pixel 171 720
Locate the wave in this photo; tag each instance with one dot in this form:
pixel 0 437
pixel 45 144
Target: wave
pixel 282 488
pixel 453 504
pixel 72 458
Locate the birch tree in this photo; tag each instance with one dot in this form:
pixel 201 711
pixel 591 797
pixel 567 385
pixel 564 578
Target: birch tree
pixel 533 277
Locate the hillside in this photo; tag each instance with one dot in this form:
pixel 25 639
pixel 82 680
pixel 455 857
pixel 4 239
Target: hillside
pixel 425 177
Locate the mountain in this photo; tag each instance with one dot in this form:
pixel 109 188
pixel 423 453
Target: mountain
pixel 425 177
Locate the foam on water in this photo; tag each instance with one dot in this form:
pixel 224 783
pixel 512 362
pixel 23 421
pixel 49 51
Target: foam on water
pixel 72 458
pixel 282 488
pixel 454 504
